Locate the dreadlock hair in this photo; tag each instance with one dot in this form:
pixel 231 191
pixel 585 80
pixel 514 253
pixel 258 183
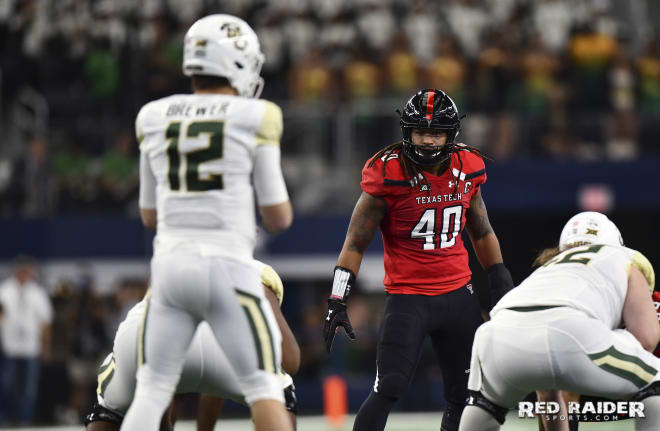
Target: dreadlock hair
pixel 546 255
pixel 411 171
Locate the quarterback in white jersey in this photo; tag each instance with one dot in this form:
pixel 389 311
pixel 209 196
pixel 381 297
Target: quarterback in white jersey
pixel 583 322
pixel 206 368
pixel 199 156
pixel 202 158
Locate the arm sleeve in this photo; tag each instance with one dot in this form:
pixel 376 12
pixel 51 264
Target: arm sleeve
pixel 147 183
pixel 268 179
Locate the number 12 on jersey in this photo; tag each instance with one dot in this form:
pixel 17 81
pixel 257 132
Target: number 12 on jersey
pixel 193 181
pixel 451 226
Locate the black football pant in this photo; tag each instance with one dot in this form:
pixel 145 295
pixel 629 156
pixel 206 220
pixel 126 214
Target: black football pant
pixel 451 321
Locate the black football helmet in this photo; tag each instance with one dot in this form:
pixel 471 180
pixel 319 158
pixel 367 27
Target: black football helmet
pixel 429 109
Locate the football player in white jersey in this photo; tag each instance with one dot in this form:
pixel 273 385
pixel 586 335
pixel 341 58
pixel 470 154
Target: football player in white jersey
pixel 206 368
pixel 200 155
pixel 583 322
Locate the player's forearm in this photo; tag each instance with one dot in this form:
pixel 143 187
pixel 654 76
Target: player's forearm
pixel 365 221
pixel 290 354
pixel 290 348
pixel 277 218
pixel 487 250
pixel 350 259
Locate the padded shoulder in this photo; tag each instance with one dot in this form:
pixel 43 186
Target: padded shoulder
pixel 468 165
pixel 270 129
pixel 392 181
pixel 151 117
pixel 640 262
pixel 272 280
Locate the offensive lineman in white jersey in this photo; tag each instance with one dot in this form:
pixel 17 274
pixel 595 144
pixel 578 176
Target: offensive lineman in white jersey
pixel 206 369
pixel 561 329
pixel 199 156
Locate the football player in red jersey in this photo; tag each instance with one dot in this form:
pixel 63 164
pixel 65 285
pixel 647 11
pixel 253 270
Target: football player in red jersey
pixel 421 192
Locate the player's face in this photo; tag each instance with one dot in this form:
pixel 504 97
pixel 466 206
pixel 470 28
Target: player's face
pixel 434 137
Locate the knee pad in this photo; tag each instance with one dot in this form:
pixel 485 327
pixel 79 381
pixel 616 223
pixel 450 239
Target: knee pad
pixel 452 416
pixel 391 385
pixel 478 400
pixel 651 390
pixel 100 413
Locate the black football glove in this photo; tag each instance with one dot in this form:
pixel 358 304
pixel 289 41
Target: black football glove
pixel 337 316
pixel 499 283
pixel 290 399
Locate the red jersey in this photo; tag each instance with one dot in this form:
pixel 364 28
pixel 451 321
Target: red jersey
pixel 424 250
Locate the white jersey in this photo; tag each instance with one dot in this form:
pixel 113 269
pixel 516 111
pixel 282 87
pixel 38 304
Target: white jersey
pixel 198 156
pixel 206 367
pixel 590 278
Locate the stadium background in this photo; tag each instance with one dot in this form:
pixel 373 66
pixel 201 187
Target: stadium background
pixel 564 95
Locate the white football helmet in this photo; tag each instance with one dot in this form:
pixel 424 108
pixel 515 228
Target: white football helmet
pixel 589 227
pixel 225 46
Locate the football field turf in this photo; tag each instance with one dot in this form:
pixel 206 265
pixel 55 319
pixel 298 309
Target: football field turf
pixel 396 422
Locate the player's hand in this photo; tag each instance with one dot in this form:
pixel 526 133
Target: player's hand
pixel 337 317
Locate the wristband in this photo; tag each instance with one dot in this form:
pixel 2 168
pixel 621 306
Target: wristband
pixel 342 283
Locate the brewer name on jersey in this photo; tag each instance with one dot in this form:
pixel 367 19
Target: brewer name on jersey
pixel 196 110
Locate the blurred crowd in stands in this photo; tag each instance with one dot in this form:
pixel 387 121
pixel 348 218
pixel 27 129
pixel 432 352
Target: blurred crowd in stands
pixel 557 78
pixel 552 78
